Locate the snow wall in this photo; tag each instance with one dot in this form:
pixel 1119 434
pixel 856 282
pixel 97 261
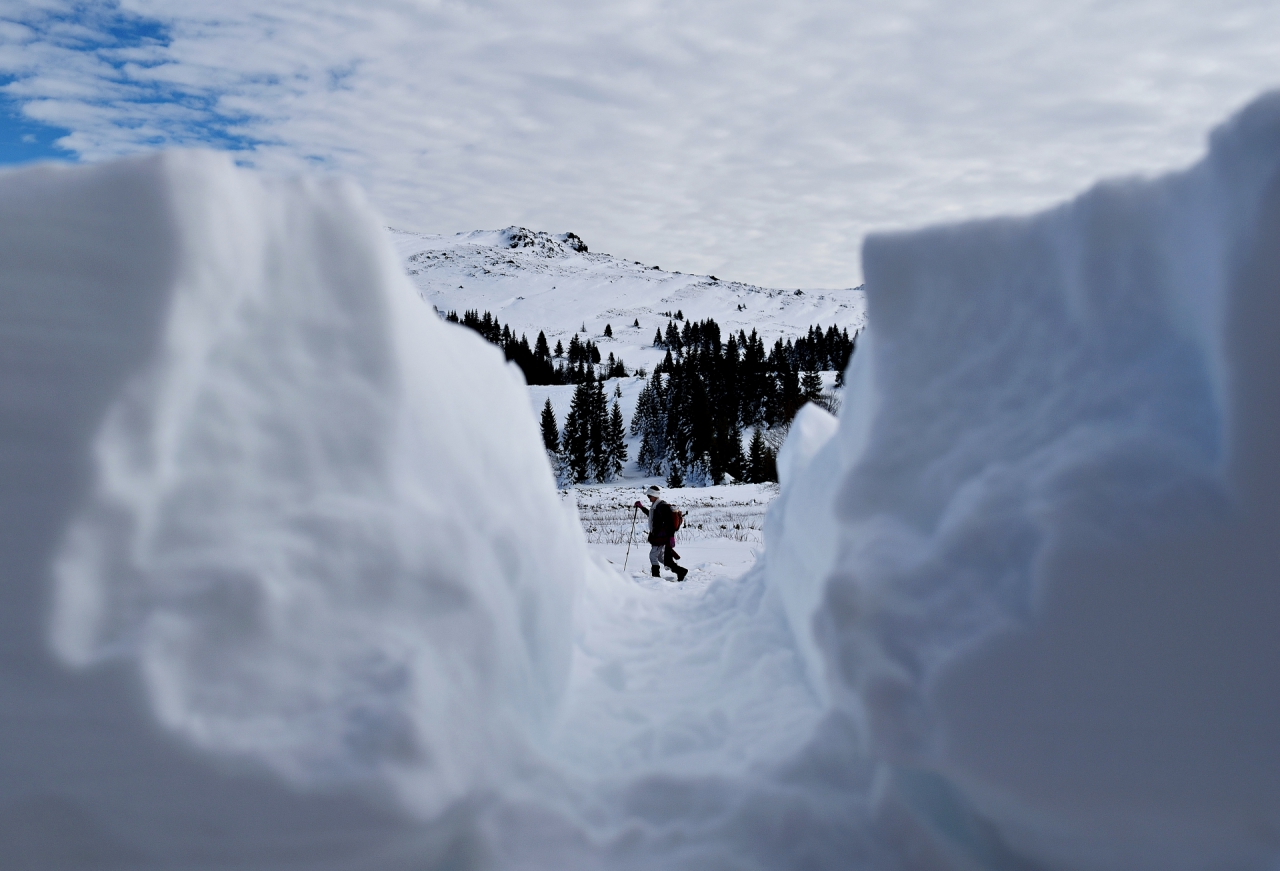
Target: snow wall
pixel 1039 561
pixel 287 584
pixel 258 495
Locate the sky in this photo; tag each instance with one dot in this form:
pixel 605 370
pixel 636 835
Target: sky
pixel 759 141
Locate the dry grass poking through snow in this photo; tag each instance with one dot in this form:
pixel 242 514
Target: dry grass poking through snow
pixel 734 512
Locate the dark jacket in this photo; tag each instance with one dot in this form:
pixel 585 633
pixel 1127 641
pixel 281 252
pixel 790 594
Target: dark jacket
pixel 661 523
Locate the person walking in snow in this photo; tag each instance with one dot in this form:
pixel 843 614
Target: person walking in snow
pixel 662 534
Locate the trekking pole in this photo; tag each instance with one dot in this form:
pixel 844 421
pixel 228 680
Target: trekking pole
pixel 635 512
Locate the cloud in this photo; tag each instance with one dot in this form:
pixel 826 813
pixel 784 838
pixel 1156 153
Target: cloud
pixel 749 139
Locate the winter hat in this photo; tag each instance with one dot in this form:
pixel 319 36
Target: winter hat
pixel 655 491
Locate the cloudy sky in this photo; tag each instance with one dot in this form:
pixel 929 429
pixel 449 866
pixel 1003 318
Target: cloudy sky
pixel 755 140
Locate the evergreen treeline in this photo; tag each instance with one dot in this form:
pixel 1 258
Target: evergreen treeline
pixel 592 446
pixel 816 351
pixel 691 415
pixel 540 364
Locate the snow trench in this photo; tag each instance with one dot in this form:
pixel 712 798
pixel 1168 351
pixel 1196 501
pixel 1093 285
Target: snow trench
pixel 289 585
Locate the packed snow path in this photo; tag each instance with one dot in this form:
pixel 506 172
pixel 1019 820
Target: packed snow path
pixel 694 677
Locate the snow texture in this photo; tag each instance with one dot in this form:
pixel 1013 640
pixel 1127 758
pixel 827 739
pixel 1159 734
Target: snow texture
pixel 246 461
pixel 1053 593
pixel 289 585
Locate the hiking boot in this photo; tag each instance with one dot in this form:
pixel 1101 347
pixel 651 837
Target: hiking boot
pixel 657 573
pixel 680 572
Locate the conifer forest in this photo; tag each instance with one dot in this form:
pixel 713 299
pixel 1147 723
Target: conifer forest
pixel 695 407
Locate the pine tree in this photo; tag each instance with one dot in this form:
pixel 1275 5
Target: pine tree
pixel 601 462
pixel 686 413
pixel 650 423
pixel 811 386
pixel 636 324
pixel 672 338
pixel 559 349
pixel 550 432
pixel 755 456
pixel 788 398
pixel 644 404
pixel 657 338
pixel 730 459
pixel 844 351
pixel 761 463
pixel 616 442
pixel 575 438
pixel 540 349
pixel 608 331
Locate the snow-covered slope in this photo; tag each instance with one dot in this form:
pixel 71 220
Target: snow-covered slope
pixel 535 281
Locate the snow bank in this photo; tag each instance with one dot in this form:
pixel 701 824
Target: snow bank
pixel 311 524
pixel 1052 592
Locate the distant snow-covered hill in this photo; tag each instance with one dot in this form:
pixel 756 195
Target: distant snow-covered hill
pixel 535 281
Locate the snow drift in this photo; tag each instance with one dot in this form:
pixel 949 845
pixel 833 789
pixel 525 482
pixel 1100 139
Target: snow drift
pixel 287 583
pixel 247 465
pixel 1053 594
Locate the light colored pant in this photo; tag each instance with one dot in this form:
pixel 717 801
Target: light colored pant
pixel 655 554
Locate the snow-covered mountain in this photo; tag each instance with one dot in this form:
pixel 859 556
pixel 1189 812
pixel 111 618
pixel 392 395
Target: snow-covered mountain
pixel 536 281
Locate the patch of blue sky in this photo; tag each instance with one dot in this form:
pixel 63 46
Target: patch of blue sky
pixel 111 34
pixel 121 42
pixel 23 140
pixel 196 119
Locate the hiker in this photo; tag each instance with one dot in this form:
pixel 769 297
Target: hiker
pixel 662 534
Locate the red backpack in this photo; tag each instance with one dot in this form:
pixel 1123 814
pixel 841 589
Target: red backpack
pixel 677 519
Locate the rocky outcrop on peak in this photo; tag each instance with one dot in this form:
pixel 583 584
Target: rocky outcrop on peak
pixel 542 242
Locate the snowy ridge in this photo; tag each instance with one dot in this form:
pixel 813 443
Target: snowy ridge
pixel 535 281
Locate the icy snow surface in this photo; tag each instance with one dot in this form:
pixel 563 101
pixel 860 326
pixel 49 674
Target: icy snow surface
pixel 289 584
